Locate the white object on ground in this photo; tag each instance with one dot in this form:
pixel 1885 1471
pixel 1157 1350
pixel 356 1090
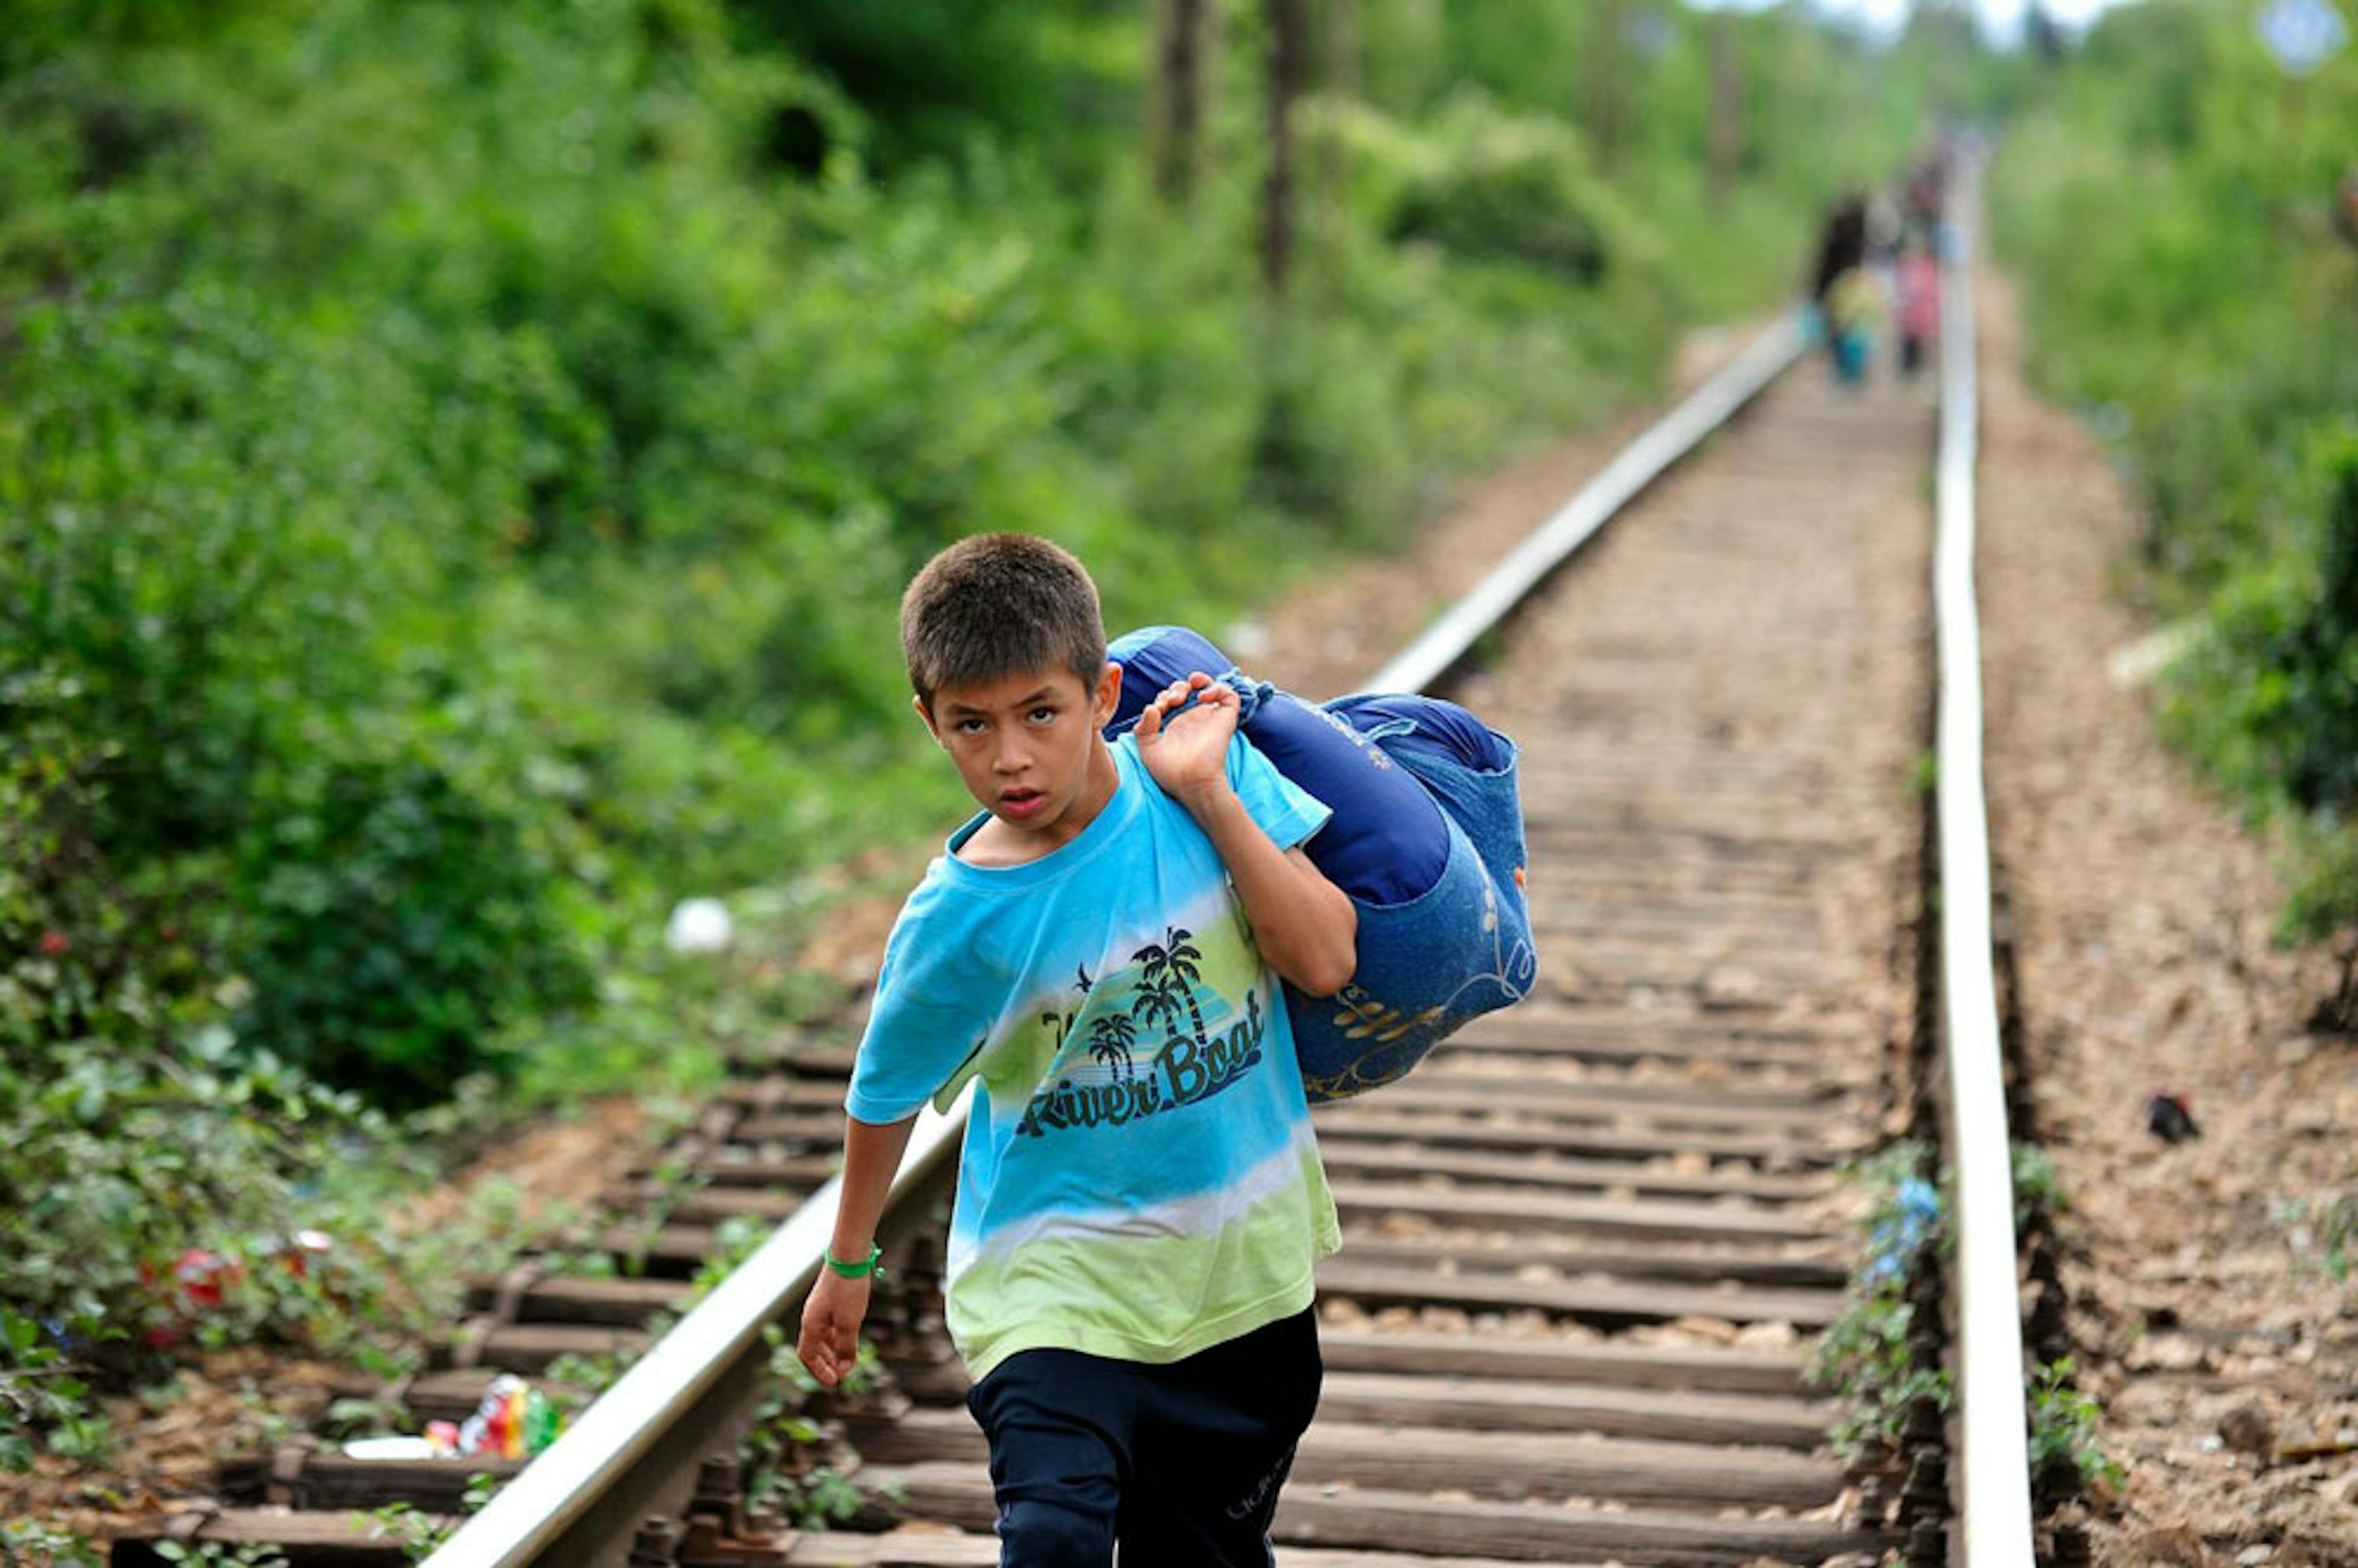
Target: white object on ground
pixel 391 1448
pixel 2135 663
pixel 699 925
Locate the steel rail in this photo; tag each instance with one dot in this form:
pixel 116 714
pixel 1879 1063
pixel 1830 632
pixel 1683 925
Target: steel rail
pixel 557 1493
pixel 1993 1467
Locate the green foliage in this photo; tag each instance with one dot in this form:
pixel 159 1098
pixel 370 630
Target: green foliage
pixel 80 955
pixel 1865 1357
pixel 574 1379
pixel 397 993
pixel 931 73
pixel 2173 206
pixel 39 1392
pixel 350 1417
pixel 420 1535
pixel 2338 1236
pixel 2036 1188
pixel 822 1498
pixel 1496 185
pixel 212 1555
pixel 2271 699
pixel 1726 134
pixel 2064 1452
pixel 152 1207
pixel 28 1543
pixel 356 779
pixel 121 1172
pixel 786 1451
pixel 1924 774
pixel 736 1237
pixel 1864 1354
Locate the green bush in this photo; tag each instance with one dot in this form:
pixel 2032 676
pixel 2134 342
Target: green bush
pixel 2271 698
pixel 121 1167
pixel 81 954
pixel 1519 186
pixel 393 922
pixel 2171 204
pixel 1327 447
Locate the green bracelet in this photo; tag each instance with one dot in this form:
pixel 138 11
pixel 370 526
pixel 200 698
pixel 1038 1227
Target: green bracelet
pixel 857 1271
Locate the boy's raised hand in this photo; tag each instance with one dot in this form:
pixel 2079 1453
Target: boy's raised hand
pixel 1187 754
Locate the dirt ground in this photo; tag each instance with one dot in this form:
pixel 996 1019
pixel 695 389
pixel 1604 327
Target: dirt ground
pixel 167 1444
pixel 2221 1351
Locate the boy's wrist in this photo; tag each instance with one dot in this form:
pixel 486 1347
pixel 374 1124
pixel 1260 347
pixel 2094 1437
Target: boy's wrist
pixel 856 1263
pixel 1208 800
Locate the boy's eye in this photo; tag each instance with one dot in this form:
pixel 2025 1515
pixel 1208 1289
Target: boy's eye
pixel 969 727
pixel 1043 714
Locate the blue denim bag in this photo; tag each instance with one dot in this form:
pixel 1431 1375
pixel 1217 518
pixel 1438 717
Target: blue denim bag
pixel 1426 840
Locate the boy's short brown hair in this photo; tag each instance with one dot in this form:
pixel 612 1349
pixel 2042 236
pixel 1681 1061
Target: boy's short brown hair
pixel 997 604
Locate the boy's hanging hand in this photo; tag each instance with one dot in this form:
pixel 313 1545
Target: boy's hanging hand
pixel 829 1341
pixel 1187 753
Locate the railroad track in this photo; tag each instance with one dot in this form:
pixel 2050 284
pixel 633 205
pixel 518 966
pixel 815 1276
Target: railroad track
pixel 1587 1245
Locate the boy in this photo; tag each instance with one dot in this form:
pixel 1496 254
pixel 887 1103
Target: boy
pixel 1140 1198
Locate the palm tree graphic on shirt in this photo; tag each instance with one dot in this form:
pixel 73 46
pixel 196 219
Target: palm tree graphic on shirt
pixel 1110 1037
pixel 1167 981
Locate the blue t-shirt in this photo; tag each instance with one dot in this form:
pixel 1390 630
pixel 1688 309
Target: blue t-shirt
pixel 1139 1178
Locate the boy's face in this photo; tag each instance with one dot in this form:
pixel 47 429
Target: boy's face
pixel 1027 746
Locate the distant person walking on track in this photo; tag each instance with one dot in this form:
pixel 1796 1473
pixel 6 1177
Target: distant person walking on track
pixel 1925 197
pixel 1841 294
pixel 1140 1203
pixel 1920 301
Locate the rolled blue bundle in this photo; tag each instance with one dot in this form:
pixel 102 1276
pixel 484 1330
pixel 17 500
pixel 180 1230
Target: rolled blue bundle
pixel 1386 842
pixel 1426 840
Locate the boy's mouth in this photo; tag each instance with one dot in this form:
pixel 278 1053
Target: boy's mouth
pixel 1020 803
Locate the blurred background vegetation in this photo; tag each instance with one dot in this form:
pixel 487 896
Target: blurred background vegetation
pixel 459 462
pixel 2182 211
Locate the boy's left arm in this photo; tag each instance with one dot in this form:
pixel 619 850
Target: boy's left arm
pixel 1305 927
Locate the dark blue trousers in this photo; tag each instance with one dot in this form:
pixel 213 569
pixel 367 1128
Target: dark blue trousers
pixel 1181 1464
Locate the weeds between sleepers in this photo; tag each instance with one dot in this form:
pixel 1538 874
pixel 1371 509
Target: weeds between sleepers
pixel 1875 1354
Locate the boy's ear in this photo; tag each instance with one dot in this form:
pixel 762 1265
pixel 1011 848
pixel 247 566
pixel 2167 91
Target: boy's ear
pixel 925 712
pixel 1108 694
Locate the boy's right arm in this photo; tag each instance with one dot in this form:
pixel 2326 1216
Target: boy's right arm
pixel 829 1341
